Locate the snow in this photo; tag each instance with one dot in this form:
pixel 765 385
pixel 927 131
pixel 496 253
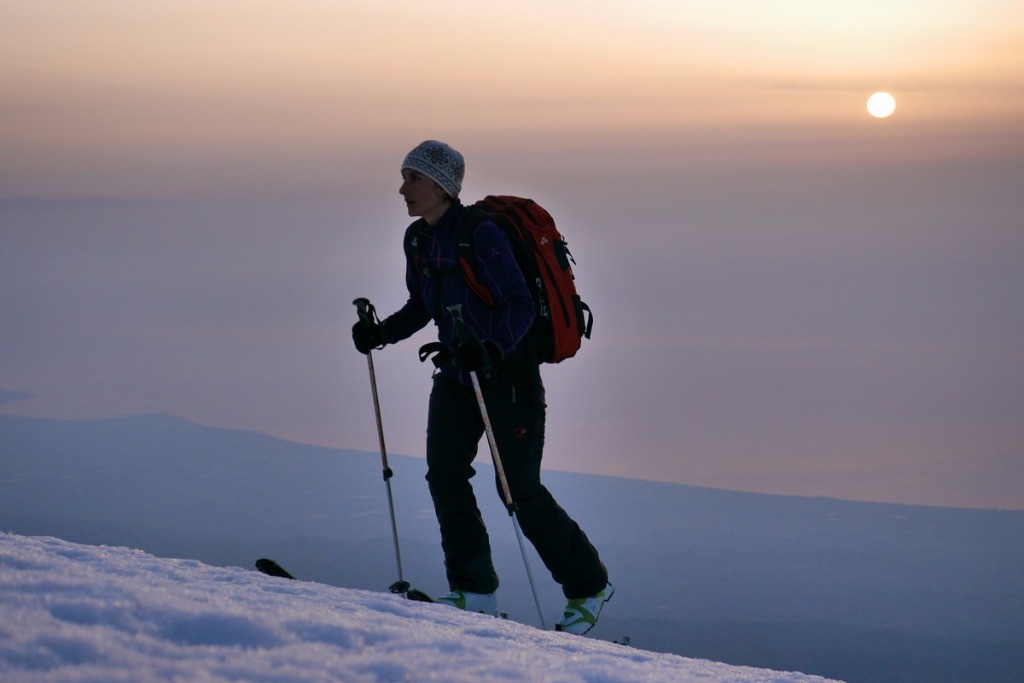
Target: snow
pixel 76 613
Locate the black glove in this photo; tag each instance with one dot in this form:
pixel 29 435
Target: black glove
pixel 476 356
pixel 367 335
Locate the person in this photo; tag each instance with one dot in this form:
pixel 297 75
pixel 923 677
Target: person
pixel 500 350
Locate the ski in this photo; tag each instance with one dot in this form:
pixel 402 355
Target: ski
pixel 419 596
pixel 271 568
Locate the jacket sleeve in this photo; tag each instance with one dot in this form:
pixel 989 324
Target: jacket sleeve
pixel 413 315
pixel 513 306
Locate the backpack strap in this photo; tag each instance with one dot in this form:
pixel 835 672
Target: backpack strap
pixel 467 251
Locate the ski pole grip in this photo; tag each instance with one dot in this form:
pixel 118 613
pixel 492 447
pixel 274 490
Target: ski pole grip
pixel 468 336
pixel 367 313
pixel 461 331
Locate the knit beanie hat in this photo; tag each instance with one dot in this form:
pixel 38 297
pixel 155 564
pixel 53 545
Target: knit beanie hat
pixel 440 163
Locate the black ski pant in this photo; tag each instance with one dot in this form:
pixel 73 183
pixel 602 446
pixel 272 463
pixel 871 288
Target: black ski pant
pixel 516 409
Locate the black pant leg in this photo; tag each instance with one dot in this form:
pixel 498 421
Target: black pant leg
pixel 517 410
pixel 454 428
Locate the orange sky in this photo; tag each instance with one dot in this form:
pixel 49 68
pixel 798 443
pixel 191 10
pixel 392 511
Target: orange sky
pixel 125 86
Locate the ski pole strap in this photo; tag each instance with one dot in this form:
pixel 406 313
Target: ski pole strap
pixel 438 350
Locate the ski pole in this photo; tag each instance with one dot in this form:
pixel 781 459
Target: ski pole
pixel 464 335
pixel 368 314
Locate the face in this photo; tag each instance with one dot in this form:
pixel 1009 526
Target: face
pixel 423 196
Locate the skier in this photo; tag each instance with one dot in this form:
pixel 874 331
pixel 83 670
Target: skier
pixel 499 351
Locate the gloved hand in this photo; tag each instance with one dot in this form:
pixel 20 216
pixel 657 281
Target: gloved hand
pixel 476 356
pixel 367 335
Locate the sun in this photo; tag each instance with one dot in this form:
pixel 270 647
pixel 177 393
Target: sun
pixel 881 105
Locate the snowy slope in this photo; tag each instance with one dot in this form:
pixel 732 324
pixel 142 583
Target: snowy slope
pixel 73 612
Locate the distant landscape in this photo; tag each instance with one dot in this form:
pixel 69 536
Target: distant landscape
pixel 854 591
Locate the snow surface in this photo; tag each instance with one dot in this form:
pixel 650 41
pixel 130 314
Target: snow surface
pixel 72 612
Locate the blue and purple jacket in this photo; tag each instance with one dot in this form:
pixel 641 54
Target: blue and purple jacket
pixel 436 282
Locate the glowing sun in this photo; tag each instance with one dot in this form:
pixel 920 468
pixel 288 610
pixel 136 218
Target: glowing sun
pixel 881 104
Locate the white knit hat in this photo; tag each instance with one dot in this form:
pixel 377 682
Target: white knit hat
pixel 440 163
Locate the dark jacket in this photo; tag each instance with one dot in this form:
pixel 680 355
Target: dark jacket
pixel 435 282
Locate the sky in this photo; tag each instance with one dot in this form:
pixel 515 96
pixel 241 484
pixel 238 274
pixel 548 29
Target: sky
pixel 790 296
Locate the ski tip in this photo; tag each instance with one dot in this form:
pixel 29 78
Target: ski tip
pixel 271 568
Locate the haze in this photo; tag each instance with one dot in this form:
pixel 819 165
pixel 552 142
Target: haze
pixel 790 295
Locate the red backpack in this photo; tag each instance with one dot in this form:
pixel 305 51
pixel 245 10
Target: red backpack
pixel 562 319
